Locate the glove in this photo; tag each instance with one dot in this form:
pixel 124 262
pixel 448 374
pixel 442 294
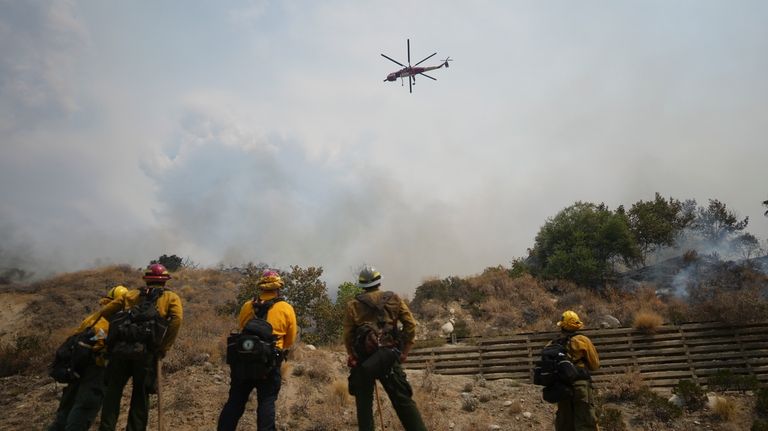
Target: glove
pixel 351 361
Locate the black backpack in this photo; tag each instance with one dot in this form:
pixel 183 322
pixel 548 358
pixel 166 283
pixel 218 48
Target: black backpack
pixel 72 357
pixel 556 372
pixel 252 353
pixel 377 344
pixel 138 331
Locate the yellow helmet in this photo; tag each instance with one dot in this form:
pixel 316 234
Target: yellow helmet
pixel 270 280
pixel 570 321
pixel 117 292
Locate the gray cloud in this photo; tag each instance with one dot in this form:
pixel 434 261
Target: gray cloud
pixel 268 135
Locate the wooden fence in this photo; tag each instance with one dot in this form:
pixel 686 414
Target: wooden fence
pixel 687 351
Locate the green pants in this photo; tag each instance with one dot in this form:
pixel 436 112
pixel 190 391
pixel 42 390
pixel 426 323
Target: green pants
pixel 142 371
pixel 578 413
pixel 399 391
pixel 80 401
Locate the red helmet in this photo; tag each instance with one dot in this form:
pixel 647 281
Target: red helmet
pixel 156 272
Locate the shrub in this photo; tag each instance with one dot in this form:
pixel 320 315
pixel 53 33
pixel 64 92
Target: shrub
pixel 727 380
pixel 320 370
pixel 461 328
pixel 658 406
pixel 625 387
pixel 691 394
pixel 647 321
pixel 761 402
pixel 28 352
pixel 171 263
pixel 469 402
pixel 612 419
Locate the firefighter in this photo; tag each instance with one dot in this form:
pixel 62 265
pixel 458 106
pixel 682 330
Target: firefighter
pixel 376 348
pixel 136 359
pixel 577 413
pixel 282 328
pixel 81 399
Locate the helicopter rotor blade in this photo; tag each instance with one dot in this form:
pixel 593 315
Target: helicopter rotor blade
pixel 392 60
pixel 409 51
pixel 434 79
pixel 425 59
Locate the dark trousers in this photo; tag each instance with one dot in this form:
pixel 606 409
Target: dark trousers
pixel 80 401
pixel 266 396
pixel 577 413
pixel 142 371
pixel 399 391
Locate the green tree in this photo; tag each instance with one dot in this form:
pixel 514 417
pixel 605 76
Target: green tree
pixel 658 223
pixel 329 316
pixel 346 292
pixel 248 288
pixel 306 292
pixel 171 263
pixel 316 314
pixel 582 243
pixel 716 223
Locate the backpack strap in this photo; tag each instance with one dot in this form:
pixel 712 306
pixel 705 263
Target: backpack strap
pixel 260 309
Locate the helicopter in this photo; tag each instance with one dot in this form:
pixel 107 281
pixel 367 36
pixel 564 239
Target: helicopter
pixel 411 71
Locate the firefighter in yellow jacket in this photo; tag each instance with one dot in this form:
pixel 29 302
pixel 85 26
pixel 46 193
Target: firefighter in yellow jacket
pixel 578 412
pixel 280 315
pixel 376 348
pixel 152 303
pixel 81 400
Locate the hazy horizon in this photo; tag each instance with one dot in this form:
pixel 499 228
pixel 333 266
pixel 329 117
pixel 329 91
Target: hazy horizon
pixel 256 131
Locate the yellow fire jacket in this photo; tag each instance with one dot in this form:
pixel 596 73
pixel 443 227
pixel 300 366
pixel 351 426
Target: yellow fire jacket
pixel 583 352
pixel 395 309
pixel 281 316
pixel 101 328
pixel 168 306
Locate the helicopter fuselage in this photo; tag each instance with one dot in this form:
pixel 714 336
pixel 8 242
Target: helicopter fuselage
pixel 412 71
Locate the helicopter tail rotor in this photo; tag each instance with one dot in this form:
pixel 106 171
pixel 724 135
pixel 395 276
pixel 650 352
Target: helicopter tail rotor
pixel 445 62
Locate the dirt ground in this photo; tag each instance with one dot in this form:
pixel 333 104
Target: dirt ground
pixel 12 317
pixel 314 398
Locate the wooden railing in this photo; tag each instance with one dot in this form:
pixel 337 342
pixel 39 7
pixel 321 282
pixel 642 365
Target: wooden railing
pixel 688 351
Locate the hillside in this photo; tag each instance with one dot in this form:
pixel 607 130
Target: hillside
pixel 36 318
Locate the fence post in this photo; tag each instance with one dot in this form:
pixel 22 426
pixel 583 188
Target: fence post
pixel 688 354
pixel 530 357
pixel 480 357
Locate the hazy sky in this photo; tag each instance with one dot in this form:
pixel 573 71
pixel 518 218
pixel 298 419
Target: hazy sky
pixel 261 131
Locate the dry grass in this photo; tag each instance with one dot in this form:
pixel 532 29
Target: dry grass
pixel 338 395
pixel 647 321
pixel 724 409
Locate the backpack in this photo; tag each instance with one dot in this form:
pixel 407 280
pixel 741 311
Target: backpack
pixel 377 345
pixel 253 353
pixel 73 356
pixel 138 331
pixel 556 372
